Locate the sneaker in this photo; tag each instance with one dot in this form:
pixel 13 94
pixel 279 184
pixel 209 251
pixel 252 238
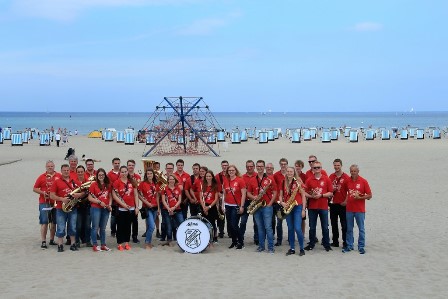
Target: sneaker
pixel 127 247
pixel 60 248
pixel 52 242
pixel 120 248
pixel 334 244
pixel 278 244
pixel 327 248
pixel 291 251
pixel 215 240
pixel 144 235
pixel 259 249
pixel 77 244
pixel 89 244
pixel 232 245
pixel 309 247
pixel 105 248
pixel 239 246
pixel 271 251
pixel 96 248
pixel 302 252
pixel 361 250
pixel 44 245
pixel 346 249
pixel 135 240
pixel 73 247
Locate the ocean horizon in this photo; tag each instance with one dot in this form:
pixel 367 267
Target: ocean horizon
pixel 85 122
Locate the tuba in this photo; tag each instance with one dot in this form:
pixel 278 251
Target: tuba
pixel 68 207
pixel 290 204
pixel 161 178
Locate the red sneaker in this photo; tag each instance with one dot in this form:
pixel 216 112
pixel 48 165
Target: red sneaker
pixel 127 247
pixel 120 247
pixel 96 248
pixel 105 248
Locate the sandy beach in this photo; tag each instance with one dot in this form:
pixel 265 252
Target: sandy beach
pixel 405 231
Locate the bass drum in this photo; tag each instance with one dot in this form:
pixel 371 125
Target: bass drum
pixel 194 234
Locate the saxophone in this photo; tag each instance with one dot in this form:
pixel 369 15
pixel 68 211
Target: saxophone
pixel 258 202
pixel 290 204
pixel 68 207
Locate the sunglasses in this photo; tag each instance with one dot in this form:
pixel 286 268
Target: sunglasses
pixel 317 167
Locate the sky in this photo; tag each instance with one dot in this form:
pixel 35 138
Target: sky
pixel 239 55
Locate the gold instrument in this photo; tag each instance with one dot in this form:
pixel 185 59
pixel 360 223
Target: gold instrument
pixel 290 204
pixel 258 202
pixel 119 197
pixel 161 178
pixel 218 207
pixel 68 207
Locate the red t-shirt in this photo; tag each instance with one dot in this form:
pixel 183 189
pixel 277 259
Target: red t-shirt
pixel 73 175
pixel 136 177
pixel 362 187
pixel 197 188
pixel 126 191
pixel 288 190
pixel 172 196
pixel 44 183
pixel 113 176
pixel 100 194
pixel 233 189
pixel 61 188
pixel 318 186
pixel 88 175
pixel 256 185
pixel 149 192
pixel 182 178
pixel 209 195
pixel 220 177
pixel 339 191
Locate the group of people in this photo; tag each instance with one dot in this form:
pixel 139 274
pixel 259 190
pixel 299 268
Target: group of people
pixel 225 200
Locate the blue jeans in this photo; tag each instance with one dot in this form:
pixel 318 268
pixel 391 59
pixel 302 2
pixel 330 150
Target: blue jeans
pixel 244 217
pixel 178 218
pixel 294 221
pixel 263 217
pixel 62 218
pixel 150 224
pixel 47 216
pixel 99 218
pixel 233 219
pixel 323 215
pixel 359 217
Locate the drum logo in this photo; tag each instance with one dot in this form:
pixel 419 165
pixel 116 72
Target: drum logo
pixel 193 238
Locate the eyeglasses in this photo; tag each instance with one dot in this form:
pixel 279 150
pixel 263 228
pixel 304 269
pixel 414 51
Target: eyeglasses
pixel 311 161
pixel 317 167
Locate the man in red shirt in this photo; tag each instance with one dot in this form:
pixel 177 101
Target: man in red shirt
pixel 194 208
pixel 250 173
pixel 90 168
pixel 279 177
pixel 318 190
pixel 114 175
pixel 134 218
pixel 73 162
pixel 358 191
pixel 47 215
pixel 182 177
pixel 309 173
pixel 220 180
pixel 337 210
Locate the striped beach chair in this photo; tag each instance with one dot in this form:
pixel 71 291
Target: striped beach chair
pixel 129 138
pixel 250 133
pixel 1 138
pixel 211 139
pixel 243 136
pixel 236 137
pixel 25 137
pixel 16 139
pixel 295 137
pixel 7 133
pixel 221 136
pixel 436 133
pixel 347 131
pixel 44 139
pixel 404 134
pixel 420 134
pixel 353 137
pixel 370 134
pixel 257 134
pixel 276 132
pixel 334 134
pixel 180 139
pixel 306 135
pixel 385 134
pixel 313 132
pixel 263 137
pixel 326 137
pixel 150 139
pixel 412 132
pixel 271 136
pixel 108 136
pixel 120 136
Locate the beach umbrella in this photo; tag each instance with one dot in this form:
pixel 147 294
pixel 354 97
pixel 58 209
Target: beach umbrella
pixel 94 134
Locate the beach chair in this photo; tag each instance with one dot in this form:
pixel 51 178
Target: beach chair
pixel 16 139
pixel 276 132
pixel 250 133
pixel 306 135
pixel 385 134
pixel 334 134
pixel 150 139
pixel 436 134
pixel 347 131
pixel 180 139
pixel 109 136
pixel 257 134
pixel 353 137
pixel 326 137
pixel 7 133
pixel 235 137
pixel 271 136
pixel 412 132
pixel 25 137
pixel 221 137
pixel 243 136
pixel 404 135
pixel 211 139
pixel 370 134
pixel 420 134
pixel 295 137
pixel 120 136
pixel 129 138
pixel 263 137
pixel 1 138
pixel 313 133
pixel 44 139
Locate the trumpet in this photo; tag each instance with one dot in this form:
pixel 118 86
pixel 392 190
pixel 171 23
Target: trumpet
pixel 68 207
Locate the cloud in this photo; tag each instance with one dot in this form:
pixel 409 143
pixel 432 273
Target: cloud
pixel 208 25
pixel 66 10
pixel 368 26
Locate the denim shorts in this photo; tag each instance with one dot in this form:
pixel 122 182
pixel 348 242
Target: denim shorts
pixel 45 214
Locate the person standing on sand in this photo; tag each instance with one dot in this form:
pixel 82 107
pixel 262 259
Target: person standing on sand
pixel 250 173
pixel 57 137
pixel 220 177
pixel 358 191
pixel 279 176
pixel 137 178
pixel 114 175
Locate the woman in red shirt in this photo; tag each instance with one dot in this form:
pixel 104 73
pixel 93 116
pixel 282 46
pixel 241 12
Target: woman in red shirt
pixel 101 199
pixel 149 195
pixel 171 200
pixel 125 195
pixel 209 199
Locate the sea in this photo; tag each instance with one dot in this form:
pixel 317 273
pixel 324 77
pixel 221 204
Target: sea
pixel 85 122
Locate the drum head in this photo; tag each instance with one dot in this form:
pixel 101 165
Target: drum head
pixel 193 235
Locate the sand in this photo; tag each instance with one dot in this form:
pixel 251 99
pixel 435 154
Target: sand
pixel 405 232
